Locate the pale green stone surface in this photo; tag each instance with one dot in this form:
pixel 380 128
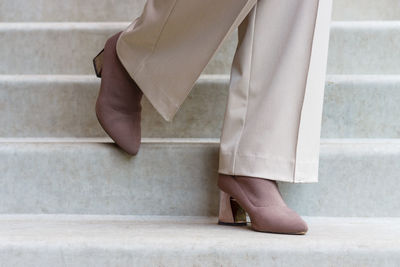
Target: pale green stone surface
pixel 366 10
pixel 357 177
pixel 193 241
pixel 68 48
pixel 355 106
pixel 127 10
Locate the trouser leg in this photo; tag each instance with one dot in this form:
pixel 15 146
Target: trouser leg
pixel 168 46
pixel 273 117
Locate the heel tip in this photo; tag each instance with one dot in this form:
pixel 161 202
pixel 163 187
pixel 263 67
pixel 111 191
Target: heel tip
pixel 233 224
pixel 97 72
pixel 98 64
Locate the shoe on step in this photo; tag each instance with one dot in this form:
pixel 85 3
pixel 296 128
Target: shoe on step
pixel 118 107
pixel 261 200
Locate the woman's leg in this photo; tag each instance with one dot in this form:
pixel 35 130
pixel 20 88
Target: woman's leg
pixel 168 46
pixel 161 55
pixel 272 122
pixel 273 117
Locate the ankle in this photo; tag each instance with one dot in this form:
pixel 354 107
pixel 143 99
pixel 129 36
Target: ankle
pixel 261 191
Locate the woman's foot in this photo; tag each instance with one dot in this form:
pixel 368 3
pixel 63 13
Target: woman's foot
pixel 118 107
pixel 263 202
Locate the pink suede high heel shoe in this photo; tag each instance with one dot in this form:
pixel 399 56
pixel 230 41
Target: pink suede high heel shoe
pixel 118 107
pixel 261 200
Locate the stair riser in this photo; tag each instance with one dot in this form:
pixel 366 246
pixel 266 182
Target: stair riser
pixel 360 48
pixel 364 48
pixel 181 179
pixel 69 10
pixel 354 107
pixel 105 10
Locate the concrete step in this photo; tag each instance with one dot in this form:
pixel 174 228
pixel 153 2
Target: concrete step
pixel 358 177
pixel 69 10
pixel 68 48
pixel 30 240
pixel 366 10
pixel 355 106
pixel 369 47
pixel 63 106
pixel 105 10
pixel 361 106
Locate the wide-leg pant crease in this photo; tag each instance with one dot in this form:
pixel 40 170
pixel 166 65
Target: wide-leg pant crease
pixel 273 116
pixel 169 45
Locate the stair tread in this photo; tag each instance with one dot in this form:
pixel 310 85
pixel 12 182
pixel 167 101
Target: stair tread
pixel 193 241
pixel 150 140
pixel 190 232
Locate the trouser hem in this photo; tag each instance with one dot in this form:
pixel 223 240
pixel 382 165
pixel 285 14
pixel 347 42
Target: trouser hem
pixel 271 168
pixel 156 95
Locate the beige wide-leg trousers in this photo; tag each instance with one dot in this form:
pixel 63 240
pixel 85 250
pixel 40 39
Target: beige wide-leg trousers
pixel 273 118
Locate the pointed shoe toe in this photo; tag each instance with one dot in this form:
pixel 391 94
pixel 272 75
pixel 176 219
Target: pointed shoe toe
pixel 129 141
pixel 123 129
pixel 300 227
pixel 277 219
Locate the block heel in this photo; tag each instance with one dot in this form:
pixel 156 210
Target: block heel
pixel 230 212
pixel 98 63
